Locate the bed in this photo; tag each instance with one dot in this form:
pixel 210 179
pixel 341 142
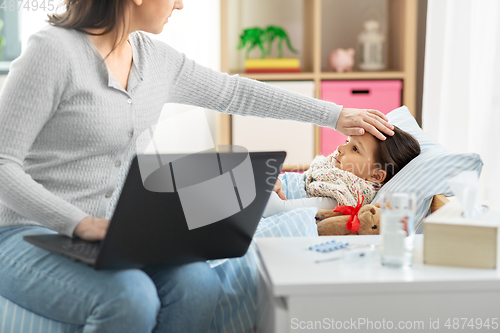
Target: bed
pixel 240 308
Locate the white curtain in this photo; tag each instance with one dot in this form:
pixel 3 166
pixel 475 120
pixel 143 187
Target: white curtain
pixel 461 100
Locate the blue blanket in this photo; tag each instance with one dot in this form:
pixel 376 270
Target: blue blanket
pixel 237 309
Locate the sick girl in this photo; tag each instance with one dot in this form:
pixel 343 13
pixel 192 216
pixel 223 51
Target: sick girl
pixel 364 164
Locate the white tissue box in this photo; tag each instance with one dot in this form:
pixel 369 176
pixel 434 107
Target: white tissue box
pixel 451 240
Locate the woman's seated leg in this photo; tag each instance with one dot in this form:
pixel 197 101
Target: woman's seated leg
pixel 189 295
pixel 58 288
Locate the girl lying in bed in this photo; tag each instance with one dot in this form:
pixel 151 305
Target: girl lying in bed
pixel 363 164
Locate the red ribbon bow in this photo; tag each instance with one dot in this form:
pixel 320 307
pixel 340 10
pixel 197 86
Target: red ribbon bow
pixel 353 221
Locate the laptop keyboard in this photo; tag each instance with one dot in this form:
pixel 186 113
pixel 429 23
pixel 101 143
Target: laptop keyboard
pixel 88 250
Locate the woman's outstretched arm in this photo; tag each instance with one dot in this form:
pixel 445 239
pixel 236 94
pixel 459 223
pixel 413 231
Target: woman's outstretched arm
pixel 198 85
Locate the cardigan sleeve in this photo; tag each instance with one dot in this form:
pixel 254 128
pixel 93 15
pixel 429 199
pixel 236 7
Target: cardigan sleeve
pixel 198 85
pixel 276 205
pixel 29 97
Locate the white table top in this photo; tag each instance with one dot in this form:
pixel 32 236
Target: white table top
pixel 293 270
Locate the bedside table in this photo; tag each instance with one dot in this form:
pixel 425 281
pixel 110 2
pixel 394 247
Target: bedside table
pixel 296 294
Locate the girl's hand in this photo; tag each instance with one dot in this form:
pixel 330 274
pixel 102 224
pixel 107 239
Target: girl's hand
pixel 279 189
pixel 357 121
pixel 91 228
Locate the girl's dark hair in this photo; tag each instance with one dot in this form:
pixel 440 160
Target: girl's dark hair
pixel 91 14
pixel 396 151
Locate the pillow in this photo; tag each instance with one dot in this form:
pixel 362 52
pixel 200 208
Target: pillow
pixel 427 174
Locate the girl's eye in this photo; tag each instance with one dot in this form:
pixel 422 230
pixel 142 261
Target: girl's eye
pixel 355 148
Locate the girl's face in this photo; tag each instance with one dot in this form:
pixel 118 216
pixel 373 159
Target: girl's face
pixel 357 156
pixel 152 15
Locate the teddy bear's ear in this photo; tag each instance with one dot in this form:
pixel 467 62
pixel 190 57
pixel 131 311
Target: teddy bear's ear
pixel 377 204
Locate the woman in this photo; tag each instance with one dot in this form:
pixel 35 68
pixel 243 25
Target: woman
pixel 71 109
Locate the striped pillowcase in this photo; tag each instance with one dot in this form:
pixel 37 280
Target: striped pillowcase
pixel 427 174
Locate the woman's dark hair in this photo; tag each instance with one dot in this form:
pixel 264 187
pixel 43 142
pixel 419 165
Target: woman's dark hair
pixel 91 14
pixel 396 151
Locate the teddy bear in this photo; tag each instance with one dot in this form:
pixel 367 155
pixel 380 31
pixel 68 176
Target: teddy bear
pixel 331 222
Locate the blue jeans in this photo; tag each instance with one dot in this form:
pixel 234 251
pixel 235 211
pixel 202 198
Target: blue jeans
pixel 160 298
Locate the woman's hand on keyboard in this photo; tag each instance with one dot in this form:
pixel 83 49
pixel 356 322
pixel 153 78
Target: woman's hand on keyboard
pixel 92 228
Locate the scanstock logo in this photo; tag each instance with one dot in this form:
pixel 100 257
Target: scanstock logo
pixel 178 155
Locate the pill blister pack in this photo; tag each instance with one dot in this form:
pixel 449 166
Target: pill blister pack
pixel 328 246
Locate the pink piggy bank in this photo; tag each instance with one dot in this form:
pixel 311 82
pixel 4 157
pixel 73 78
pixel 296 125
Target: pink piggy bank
pixel 341 60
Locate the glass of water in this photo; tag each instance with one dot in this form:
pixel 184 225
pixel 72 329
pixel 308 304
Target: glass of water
pixel 397 228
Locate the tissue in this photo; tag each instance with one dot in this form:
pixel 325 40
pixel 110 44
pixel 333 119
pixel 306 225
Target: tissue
pixel 465 186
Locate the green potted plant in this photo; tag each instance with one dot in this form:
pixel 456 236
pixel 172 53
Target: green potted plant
pixel 257 37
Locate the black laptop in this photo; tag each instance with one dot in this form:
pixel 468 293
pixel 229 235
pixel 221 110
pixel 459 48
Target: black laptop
pixel 176 221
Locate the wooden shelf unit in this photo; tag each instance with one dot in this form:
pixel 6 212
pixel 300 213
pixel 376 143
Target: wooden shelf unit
pixel 401 33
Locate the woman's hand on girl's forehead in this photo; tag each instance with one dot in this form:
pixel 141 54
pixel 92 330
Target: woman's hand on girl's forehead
pixel 357 121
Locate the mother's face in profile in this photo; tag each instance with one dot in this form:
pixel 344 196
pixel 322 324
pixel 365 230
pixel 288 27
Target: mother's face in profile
pixel 152 15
